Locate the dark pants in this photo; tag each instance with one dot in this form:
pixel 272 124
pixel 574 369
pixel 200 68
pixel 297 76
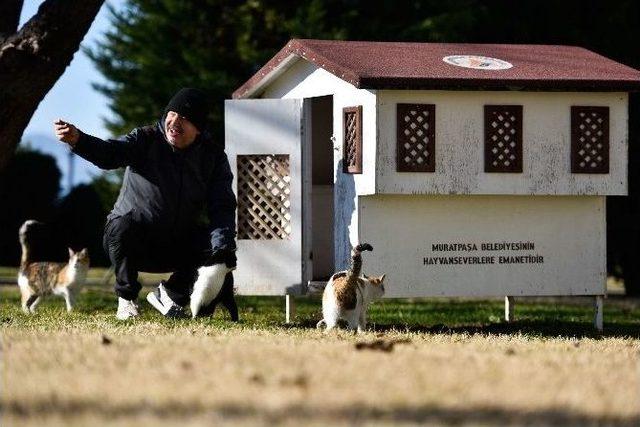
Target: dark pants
pixel 131 247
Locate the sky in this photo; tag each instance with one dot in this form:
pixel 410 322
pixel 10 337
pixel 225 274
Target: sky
pixel 72 99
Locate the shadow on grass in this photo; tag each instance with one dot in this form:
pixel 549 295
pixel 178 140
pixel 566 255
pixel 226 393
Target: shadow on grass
pixel 533 328
pixel 353 414
pixel 557 329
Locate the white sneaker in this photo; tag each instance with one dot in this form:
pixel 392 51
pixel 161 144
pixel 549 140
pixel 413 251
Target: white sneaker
pixel 127 309
pixel 162 302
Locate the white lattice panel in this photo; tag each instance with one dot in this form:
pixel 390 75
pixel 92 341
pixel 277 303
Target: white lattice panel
pixel 263 197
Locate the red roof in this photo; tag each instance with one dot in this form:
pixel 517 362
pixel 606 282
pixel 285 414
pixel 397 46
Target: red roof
pixel 394 65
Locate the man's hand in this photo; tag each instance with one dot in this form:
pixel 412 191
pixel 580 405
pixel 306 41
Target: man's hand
pixel 66 132
pixel 223 257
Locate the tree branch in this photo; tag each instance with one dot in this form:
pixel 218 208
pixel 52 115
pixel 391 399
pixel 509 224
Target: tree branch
pixel 33 59
pixel 9 17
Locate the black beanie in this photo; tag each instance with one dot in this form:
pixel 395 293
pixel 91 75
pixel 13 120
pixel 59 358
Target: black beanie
pixel 192 104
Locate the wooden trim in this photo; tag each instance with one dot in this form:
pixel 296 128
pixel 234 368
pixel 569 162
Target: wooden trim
pixel 417 162
pixel 512 134
pixel 356 165
pixel 578 163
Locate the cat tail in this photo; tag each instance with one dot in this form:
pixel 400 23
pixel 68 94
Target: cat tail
pixel 356 259
pixel 363 247
pixel 320 323
pixel 25 241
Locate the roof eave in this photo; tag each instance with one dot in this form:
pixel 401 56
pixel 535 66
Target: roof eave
pixel 283 60
pixel 507 84
pixel 264 77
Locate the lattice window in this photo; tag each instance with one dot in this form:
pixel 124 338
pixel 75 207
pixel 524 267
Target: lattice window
pixel 503 138
pixel 590 139
pixel 416 142
pixel 264 206
pixel 352 146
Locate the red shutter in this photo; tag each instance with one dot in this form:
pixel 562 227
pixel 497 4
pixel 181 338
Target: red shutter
pixel 590 139
pixel 352 146
pixel 503 138
pixel 416 138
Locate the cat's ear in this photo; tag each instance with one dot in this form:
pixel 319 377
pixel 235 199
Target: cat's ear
pixel 84 252
pixel 71 253
pixel 382 277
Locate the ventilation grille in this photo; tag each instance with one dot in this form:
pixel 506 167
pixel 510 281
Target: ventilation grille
pixel 590 139
pixel 416 138
pixel 352 155
pixel 503 138
pixel 264 206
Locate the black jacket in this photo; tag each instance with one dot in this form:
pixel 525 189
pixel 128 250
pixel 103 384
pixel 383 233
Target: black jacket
pixel 170 191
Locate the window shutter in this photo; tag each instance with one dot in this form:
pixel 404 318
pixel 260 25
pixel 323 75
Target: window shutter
pixel 503 138
pixel 589 139
pixel 416 138
pixel 352 146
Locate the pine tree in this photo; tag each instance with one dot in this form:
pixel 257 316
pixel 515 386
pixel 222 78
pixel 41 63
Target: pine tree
pixel 157 46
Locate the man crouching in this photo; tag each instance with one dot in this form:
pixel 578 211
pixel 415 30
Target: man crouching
pixel 175 211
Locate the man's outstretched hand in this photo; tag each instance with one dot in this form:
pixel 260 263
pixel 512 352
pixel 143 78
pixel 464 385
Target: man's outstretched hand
pixel 66 132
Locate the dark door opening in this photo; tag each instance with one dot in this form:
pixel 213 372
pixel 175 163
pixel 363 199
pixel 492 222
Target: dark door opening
pixel 322 209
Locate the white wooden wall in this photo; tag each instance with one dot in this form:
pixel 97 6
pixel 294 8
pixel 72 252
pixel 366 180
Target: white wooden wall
pixel 460 145
pixel 268 127
pixel 305 80
pixel 568 232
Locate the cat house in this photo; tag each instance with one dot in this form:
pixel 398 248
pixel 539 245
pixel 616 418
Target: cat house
pixel 472 169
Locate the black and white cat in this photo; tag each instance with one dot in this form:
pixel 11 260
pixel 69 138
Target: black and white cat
pixel 208 286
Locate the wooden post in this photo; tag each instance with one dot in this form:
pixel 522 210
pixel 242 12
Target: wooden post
pixel 597 317
pixel 290 308
pixel 509 304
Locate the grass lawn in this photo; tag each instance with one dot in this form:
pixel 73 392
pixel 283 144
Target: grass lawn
pixel 430 361
pixel 96 276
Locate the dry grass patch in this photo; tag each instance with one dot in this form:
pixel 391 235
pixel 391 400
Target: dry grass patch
pixel 200 375
pixel 87 369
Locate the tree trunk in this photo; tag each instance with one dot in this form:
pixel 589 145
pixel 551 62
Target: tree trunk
pixel 33 59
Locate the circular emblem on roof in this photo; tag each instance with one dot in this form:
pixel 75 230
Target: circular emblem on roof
pixel 477 62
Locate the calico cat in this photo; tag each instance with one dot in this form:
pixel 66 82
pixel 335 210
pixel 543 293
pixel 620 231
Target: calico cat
pixel 38 279
pixel 348 294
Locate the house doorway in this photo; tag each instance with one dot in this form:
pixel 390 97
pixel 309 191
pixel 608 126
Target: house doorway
pixel 320 199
